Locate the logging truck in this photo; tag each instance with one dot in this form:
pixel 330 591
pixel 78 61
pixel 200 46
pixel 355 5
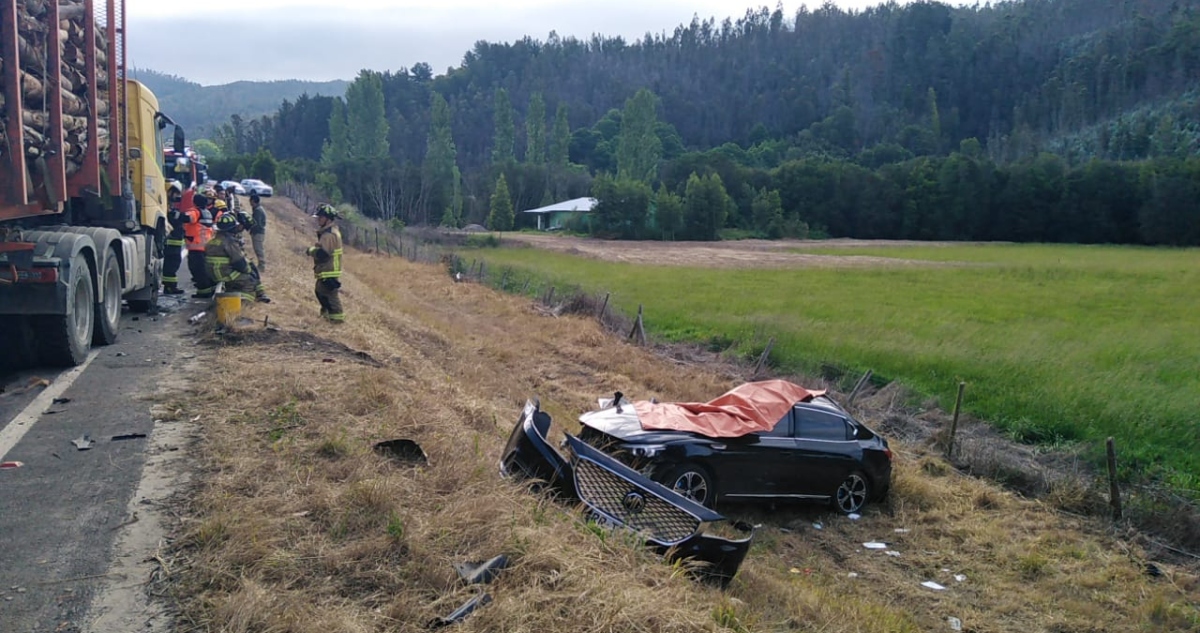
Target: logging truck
pixel 82 196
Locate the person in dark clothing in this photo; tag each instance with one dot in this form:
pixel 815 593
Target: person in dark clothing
pixel 258 231
pixel 173 256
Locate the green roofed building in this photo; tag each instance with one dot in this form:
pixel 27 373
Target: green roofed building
pixel 558 215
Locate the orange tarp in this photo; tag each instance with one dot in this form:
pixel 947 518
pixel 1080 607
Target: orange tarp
pixel 750 408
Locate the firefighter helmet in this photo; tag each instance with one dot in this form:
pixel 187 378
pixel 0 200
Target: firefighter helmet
pixel 328 211
pixel 227 223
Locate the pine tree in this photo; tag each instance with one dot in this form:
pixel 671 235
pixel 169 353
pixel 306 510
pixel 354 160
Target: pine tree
pixel 560 144
pixel 437 172
pixel 535 130
pixel 501 216
pixel 502 146
pixel 639 149
pixel 366 119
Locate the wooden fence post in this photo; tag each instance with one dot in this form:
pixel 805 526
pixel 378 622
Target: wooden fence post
pixel 858 386
pixel 954 421
pixel 1114 488
pixel 762 360
pixel 376 239
pixel 638 328
pixel 603 307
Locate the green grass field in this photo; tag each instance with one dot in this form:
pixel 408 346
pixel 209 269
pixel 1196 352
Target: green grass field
pixel 1055 343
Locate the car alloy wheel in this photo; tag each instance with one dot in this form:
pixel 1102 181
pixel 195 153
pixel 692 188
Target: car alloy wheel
pixel 692 483
pixel 852 494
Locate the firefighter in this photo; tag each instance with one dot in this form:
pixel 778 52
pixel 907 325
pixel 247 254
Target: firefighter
pixel 258 230
pixel 227 262
pixel 196 230
pixel 173 257
pixel 327 263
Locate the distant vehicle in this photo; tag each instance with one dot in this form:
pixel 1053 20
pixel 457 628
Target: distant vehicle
pixel 237 187
pixel 253 186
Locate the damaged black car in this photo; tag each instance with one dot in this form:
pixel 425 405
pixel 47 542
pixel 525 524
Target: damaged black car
pixel 619 496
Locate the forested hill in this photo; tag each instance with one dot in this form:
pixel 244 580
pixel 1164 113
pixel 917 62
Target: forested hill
pixel 920 121
pixel 201 109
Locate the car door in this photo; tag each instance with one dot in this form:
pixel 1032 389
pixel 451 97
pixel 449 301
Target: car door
pixel 826 451
pixel 751 466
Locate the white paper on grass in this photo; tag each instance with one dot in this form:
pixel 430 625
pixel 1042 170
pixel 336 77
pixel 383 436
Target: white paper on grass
pixel 875 545
pixel 929 584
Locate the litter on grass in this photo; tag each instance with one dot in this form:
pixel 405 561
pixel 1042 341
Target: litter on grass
pixel 929 584
pixel 875 545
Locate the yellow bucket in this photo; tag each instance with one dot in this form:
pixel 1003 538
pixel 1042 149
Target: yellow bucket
pixel 229 308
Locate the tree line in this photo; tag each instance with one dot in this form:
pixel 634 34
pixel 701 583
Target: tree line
pixel 1040 120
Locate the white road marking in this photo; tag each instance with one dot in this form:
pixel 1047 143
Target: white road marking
pixel 20 425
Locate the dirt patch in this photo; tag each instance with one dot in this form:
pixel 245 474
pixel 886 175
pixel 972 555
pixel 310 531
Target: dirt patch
pixel 297 340
pixel 734 254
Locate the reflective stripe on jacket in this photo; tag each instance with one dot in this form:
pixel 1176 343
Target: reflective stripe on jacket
pixel 222 255
pixel 329 240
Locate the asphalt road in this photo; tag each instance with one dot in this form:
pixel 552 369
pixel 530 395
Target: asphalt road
pixel 63 509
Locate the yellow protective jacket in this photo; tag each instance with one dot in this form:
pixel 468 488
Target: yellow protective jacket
pixel 327 254
pixel 225 258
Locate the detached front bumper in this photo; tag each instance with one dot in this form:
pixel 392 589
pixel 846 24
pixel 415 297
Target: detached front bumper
pixel 619 495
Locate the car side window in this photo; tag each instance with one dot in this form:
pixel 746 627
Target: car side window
pixel 783 428
pixel 819 425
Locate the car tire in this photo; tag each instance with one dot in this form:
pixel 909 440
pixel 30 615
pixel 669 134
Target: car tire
pixel 692 481
pixel 852 494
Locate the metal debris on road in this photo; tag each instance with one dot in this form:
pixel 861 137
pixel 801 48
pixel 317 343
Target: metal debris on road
pixel 10 465
pixel 83 443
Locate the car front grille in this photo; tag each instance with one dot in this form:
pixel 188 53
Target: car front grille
pixel 634 506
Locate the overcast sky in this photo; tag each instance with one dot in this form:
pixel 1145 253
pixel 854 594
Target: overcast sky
pixel 220 41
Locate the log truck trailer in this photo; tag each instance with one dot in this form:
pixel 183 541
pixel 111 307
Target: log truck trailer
pixel 83 201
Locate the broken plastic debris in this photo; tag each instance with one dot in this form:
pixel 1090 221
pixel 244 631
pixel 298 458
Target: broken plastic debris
pixel 852 574
pixel 929 584
pixel 854 516
pixel 481 572
pixel 196 419
pixel 196 317
pixel 901 530
pixel 83 443
pixel 402 451
pixel 128 436
pixel 955 623
pixel 462 612
pixel 960 577
pixel 818 526
pixel 60 401
pixel 8 465
pixel 794 570
pixel 875 545
pixel 893 552
pixel 301 514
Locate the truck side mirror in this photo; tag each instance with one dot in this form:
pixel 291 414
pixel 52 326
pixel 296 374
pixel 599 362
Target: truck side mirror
pixel 179 140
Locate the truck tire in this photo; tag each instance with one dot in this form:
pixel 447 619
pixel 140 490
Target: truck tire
pixel 108 308
pixel 65 339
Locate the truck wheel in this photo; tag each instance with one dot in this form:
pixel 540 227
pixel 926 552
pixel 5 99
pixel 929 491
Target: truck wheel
pixel 108 309
pixel 65 339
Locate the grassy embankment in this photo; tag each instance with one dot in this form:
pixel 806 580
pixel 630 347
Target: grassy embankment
pixel 1055 343
pixel 295 525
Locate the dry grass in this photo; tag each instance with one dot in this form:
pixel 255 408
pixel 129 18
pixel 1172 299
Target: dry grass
pixel 299 526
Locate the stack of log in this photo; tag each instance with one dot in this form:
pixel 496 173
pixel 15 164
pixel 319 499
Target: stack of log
pixel 33 37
